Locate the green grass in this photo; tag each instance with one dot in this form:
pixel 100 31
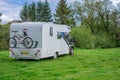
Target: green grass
pixel 98 64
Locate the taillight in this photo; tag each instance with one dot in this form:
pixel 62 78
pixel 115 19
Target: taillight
pixel 38 50
pixel 36 54
pixel 12 52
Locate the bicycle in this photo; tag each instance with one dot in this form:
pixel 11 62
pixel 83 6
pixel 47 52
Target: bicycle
pixel 20 39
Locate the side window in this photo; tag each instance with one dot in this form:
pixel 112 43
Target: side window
pixel 51 31
pixel 67 36
pixel 58 35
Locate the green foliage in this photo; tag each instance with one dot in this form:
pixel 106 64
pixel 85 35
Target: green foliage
pixel 105 40
pixel 32 12
pixel 84 37
pixel 39 12
pixel 63 13
pixel 28 12
pixel 36 12
pixel 97 14
pixel 0 16
pixel 98 64
pixel 102 19
pixel 4 35
pixel 47 16
pixel 24 13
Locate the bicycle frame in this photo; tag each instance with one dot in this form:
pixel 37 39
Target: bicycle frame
pixel 19 38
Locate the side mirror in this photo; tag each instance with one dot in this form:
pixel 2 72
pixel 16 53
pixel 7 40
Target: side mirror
pixel 74 40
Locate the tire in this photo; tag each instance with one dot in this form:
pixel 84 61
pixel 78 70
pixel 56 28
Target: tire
pixel 55 55
pixel 12 42
pixel 28 42
pixel 71 51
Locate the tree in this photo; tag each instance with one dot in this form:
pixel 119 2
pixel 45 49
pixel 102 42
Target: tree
pixel 86 14
pixel 0 16
pixel 0 27
pixel 47 16
pixel 104 10
pixel 63 13
pixel 39 11
pixel 32 12
pixel 4 35
pixel 116 24
pixel 95 13
pixel 24 12
pixel 114 21
pixel 90 18
pixel 118 8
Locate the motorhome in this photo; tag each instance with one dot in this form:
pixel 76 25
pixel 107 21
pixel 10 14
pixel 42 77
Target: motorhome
pixel 37 40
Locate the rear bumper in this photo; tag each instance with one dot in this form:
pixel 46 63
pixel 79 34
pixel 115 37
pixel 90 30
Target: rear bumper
pixel 24 57
pixel 32 53
pixel 34 58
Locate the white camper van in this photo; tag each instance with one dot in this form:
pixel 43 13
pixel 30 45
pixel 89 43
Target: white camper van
pixel 36 40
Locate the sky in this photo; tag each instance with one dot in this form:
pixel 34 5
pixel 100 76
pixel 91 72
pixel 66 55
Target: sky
pixel 10 9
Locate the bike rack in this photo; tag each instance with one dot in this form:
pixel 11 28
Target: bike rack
pixel 35 44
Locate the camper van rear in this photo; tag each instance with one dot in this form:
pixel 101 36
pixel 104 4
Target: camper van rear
pixel 36 40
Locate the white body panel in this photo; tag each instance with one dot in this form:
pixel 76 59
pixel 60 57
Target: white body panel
pixel 40 33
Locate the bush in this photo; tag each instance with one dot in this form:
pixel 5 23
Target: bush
pixel 84 37
pixel 105 40
pixel 4 35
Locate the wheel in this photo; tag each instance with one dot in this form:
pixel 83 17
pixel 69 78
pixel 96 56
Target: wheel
pixel 71 51
pixel 55 55
pixel 12 42
pixel 28 42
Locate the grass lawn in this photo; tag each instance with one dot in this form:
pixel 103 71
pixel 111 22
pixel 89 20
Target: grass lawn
pixel 98 64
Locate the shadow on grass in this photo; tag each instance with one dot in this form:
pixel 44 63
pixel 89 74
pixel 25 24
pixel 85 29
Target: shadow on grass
pixel 43 59
pixel 8 60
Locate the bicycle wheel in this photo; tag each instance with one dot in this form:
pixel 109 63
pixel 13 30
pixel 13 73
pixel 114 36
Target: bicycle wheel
pixel 28 42
pixel 12 42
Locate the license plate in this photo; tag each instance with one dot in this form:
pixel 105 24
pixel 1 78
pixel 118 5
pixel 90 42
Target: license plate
pixel 25 53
